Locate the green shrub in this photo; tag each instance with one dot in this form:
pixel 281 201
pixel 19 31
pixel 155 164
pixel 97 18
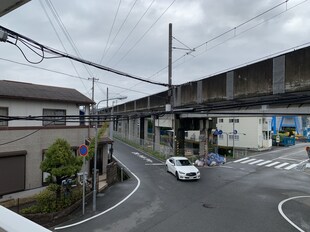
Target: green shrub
pixel 47 201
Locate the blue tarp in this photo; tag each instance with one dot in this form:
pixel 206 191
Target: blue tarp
pixel 213 159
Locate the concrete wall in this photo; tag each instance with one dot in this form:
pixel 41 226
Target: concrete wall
pixel 297 70
pixel 253 80
pixel 36 143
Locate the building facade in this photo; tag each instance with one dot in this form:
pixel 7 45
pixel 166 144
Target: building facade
pixel 23 141
pixel 245 132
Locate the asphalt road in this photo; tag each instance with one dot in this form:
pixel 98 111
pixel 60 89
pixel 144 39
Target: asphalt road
pixel 238 196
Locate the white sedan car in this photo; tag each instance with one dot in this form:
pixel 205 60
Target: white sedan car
pixel 182 168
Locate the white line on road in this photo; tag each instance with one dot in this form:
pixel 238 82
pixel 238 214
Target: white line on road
pixel 256 161
pixel 272 164
pixel 155 164
pixel 247 161
pixel 239 160
pixel 281 165
pixel 109 209
pixel 291 166
pixel 285 217
pixel 263 163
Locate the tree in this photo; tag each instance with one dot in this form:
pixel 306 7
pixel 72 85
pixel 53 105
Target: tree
pixel 91 147
pixel 60 162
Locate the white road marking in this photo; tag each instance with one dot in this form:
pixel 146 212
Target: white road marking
pixel 247 161
pixel 239 160
pixel 255 162
pixel 109 209
pixel 272 164
pixel 291 166
pixel 263 163
pixel 288 159
pixel 285 217
pixel 142 157
pixel 281 165
pixel 155 164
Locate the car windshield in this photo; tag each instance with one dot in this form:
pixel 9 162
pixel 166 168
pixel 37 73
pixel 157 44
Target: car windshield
pixel 182 163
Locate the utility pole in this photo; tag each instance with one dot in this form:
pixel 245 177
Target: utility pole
pixel 94 112
pixel 93 92
pixel 107 98
pixel 170 57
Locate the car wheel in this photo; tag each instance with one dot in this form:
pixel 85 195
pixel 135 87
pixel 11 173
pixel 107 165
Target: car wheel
pixel 177 175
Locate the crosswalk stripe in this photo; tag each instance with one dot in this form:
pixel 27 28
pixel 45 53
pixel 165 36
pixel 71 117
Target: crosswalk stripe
pixel 272 164
pixel 291 166
pixel 281 165
pixel 255 162
pixel 263 163
pixel 239 160
pixel 247 161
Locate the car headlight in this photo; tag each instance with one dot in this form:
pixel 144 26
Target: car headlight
pixel 198 173
pixel 182 173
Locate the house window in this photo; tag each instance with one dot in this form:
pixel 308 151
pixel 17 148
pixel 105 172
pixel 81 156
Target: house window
pixel 54 117
pixel 4 112
pixel 236 120
pixel 221 120
pixel 231 137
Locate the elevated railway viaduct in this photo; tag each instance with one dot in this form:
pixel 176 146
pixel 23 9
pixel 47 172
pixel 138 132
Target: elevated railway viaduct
pixel 276 86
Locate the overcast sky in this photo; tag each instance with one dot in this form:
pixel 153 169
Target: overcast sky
pixel 132 36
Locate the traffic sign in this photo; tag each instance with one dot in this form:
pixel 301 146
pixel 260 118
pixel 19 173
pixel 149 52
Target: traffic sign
pixel 83 150
pixel 220 132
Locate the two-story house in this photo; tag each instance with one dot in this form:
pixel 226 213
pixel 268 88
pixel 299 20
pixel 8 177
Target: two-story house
pixel 23 141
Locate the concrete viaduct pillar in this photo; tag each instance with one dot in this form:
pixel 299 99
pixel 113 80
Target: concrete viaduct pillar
pixel 179 138
pixel 204 137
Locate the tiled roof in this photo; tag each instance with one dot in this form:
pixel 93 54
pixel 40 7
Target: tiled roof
pixel 21 90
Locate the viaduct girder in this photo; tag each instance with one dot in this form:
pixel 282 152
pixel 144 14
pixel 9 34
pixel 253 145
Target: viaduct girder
pixel 274 83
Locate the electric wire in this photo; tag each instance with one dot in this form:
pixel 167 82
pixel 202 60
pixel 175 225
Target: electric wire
pixel 63 46
pixel 131 31
pixel 66 33
pixel 24 55
pixel 242 24
pixel 18 36
pixel 256 60
pixel 73 76
pixel 122 25
pixel 234 36
pixel 144 34
pixel 110 33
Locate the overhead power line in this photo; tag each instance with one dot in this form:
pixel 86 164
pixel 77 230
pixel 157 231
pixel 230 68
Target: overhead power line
pixel 107 43
pixel 63 46
pixel 73 76
pixel 129 34
pixel 241 24
pixel 145 33
pixel 33 45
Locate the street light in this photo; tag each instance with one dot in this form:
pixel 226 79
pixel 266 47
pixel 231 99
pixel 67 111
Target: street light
pixel 96 145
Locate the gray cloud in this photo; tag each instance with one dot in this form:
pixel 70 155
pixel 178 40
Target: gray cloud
pixel 194 22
